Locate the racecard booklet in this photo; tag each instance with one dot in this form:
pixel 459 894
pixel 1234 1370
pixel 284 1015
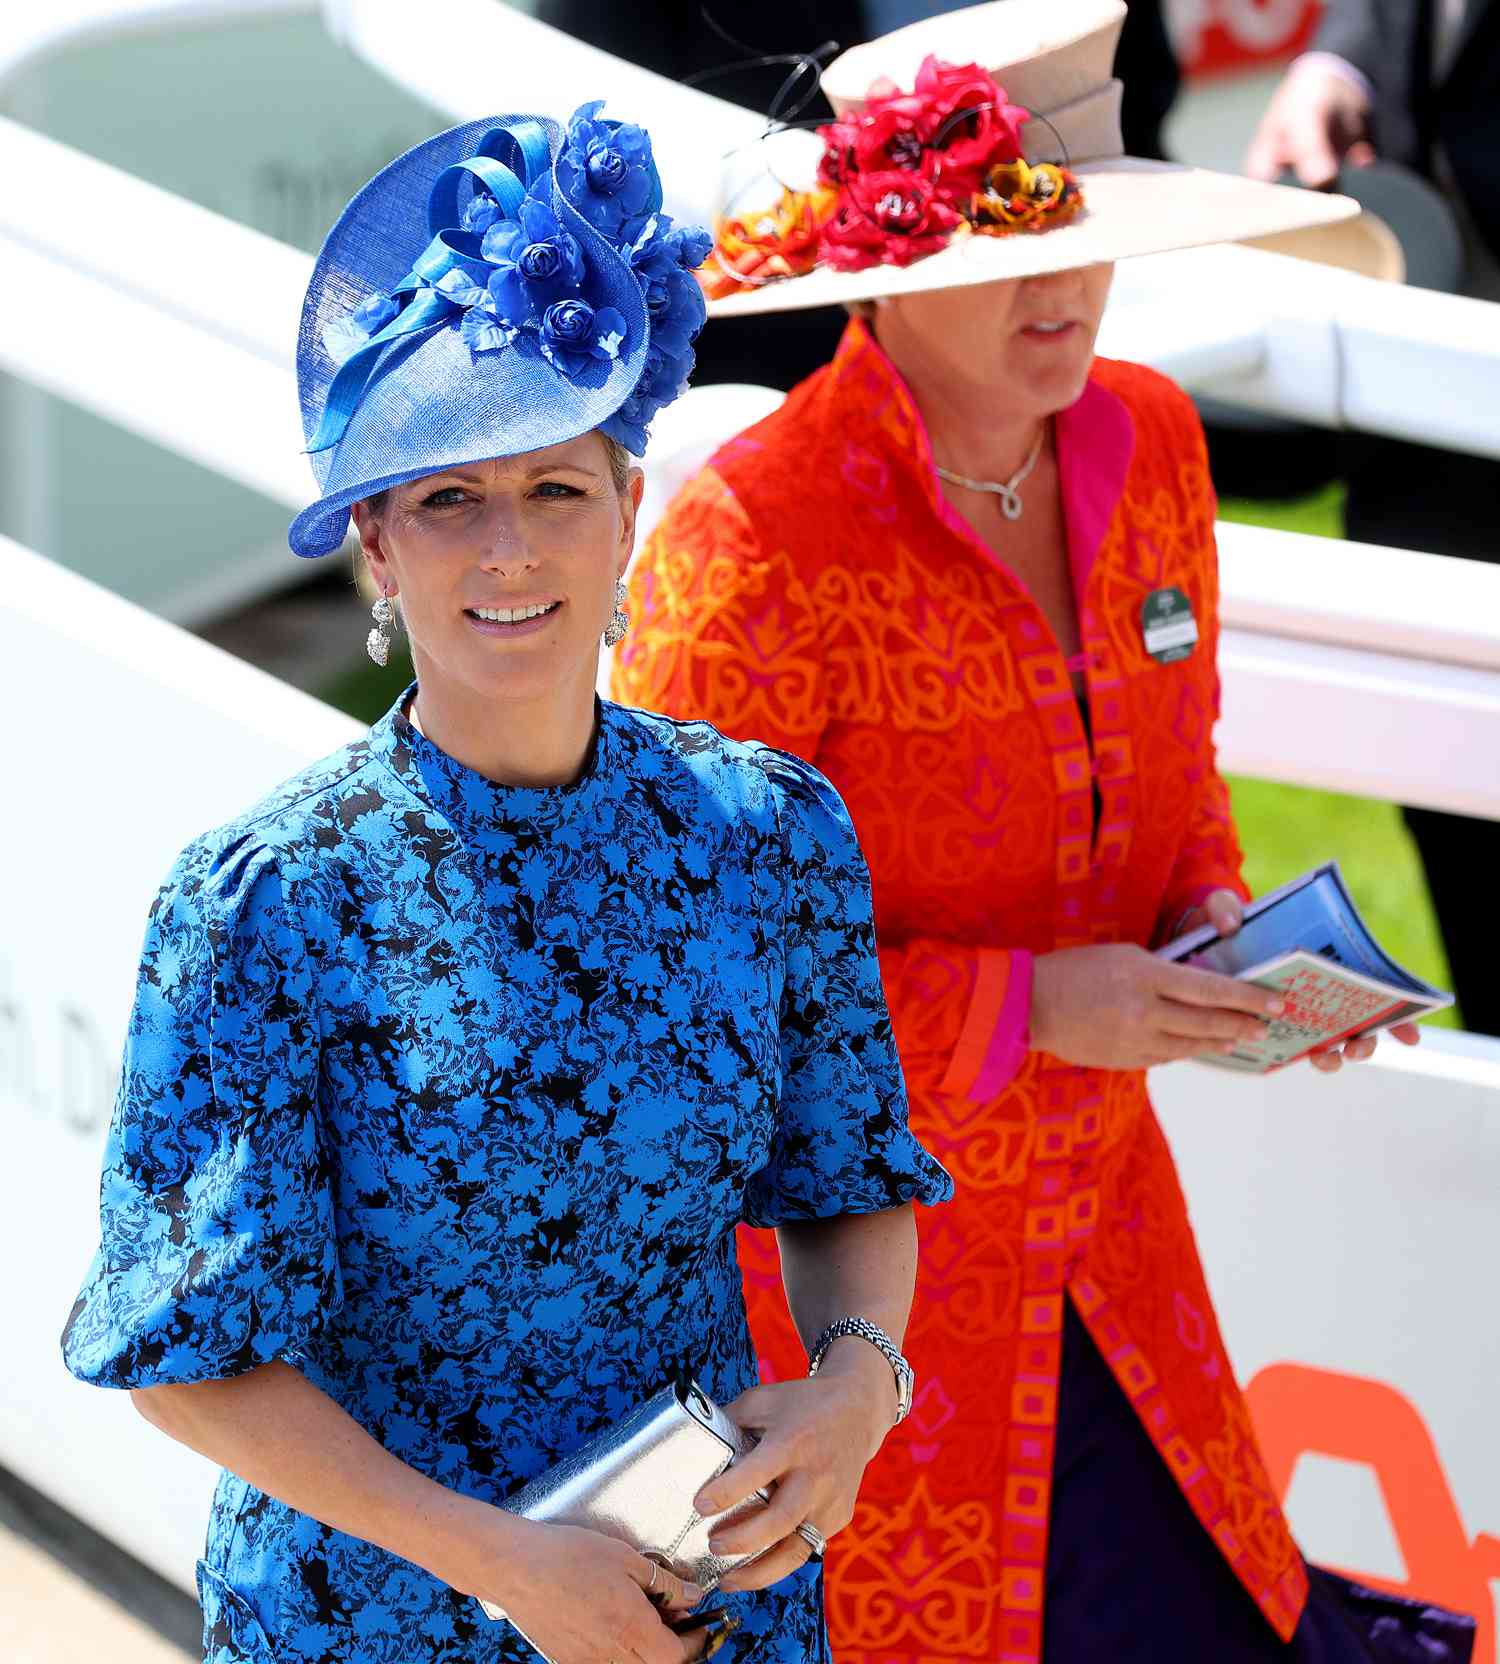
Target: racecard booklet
pixel 1308 942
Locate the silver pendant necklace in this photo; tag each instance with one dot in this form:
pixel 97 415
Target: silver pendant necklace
pixel 1010 492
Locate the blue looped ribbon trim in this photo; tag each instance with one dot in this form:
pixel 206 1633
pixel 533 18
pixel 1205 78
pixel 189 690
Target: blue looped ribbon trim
pixel 507 163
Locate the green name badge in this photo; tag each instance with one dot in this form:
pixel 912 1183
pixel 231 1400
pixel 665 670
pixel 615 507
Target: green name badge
pixel 1168 625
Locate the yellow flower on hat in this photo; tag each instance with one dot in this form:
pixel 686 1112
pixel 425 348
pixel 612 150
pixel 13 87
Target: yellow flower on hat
pixel 1025 196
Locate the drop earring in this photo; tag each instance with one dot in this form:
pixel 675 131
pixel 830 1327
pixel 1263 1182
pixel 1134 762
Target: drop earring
pixel 620 623
pixel 378 642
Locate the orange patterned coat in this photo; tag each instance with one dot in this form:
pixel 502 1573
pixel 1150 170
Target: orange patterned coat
pixel 813 588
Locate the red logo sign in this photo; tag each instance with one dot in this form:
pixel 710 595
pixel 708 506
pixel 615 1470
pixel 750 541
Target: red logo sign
pixel 1297 1410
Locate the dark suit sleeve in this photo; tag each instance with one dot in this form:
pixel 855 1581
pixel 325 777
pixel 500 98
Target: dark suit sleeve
pixel 1352 29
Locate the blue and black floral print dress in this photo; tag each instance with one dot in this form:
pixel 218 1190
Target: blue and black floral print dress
pixel 452 1095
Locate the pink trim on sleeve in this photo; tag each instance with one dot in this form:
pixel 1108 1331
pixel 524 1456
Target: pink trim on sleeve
pixel 1011 1038
pixel 995 1037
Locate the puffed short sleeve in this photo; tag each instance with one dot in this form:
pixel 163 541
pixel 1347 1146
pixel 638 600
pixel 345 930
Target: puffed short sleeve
pixel 841 1144
pixel 217 1250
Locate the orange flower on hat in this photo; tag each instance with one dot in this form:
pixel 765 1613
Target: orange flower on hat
pixel 781 241
pixel 1025 196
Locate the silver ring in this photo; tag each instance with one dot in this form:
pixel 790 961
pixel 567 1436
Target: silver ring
pixel 655 1568
pixel 814 1539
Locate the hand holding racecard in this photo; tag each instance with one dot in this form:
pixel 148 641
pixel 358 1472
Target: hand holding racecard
pixel 1308 942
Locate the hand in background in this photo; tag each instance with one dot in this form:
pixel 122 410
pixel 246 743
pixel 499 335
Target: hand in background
pixel 1316 120
pixel 1225 913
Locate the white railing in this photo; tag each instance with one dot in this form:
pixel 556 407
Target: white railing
pixel 1335 349
pixel 1361 669
pixel 187 263
pixel 510 62
pixel 30 32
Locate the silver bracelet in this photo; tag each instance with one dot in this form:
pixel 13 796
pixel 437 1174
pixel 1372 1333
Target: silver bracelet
pixel 862 1327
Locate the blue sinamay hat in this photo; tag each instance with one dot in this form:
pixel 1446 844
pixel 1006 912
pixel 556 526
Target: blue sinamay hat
pixel 502 287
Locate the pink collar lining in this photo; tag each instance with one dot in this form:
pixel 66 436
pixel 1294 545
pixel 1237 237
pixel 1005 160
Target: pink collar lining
pixel 1095 444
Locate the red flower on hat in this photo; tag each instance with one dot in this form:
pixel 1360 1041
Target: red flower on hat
pixel 837 162
pixel 887 218
pixel 893 138
pixel 970 123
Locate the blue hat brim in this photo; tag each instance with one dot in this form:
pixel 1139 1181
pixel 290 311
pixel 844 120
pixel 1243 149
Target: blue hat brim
pixel 432 404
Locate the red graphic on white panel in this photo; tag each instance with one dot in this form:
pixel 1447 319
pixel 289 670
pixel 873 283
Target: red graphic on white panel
pixel 1300 1411
pixel 1215 36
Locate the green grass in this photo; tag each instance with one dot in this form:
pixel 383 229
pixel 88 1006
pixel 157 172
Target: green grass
pixel 1321 514
pixel 1285 829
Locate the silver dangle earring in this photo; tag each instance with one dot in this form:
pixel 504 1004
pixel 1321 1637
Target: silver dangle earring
pixel 620 623
pixel 378 642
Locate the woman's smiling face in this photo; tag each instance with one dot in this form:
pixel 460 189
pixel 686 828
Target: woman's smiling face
pixel 506 569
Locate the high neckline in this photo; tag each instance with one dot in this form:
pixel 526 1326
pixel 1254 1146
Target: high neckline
pixel 471 799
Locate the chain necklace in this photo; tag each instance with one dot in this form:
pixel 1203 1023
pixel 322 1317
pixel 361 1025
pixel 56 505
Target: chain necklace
pixel 1010 492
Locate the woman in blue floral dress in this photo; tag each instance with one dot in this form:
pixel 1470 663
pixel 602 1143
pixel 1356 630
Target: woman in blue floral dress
pixel 455 1062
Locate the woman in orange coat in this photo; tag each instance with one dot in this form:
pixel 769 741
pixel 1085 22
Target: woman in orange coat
pixel 969 571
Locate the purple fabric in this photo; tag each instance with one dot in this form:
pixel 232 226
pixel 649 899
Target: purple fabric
pixel 1133 1578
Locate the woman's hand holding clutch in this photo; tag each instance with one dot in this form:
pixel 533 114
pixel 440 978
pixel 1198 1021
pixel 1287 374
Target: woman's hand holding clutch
pixel 579 1597
pixel 816 1439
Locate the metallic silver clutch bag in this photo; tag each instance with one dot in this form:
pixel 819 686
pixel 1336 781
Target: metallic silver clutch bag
pixel 637 1483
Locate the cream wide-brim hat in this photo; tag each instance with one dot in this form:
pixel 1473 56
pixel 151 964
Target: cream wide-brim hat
pixel 1054 58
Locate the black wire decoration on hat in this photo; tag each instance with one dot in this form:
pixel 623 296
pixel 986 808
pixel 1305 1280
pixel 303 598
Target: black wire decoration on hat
pixel 809 64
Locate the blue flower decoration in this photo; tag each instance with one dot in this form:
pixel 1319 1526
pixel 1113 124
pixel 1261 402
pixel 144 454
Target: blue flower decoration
pixel 649 252
pixel 606 170
pixel 482 331
pixel 677 311
pixel 691 244
pixel 346 335
pixel 575 338
pixel 480 214
pixel 536 262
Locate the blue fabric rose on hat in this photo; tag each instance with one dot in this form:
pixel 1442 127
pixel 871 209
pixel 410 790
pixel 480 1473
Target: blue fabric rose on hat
pixel 607 170
pixel 691 244
pixel 662 257
pixel 536 262
pixel 575 338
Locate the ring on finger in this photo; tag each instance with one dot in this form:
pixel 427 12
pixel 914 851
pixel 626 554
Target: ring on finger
pixel 655 1573
pixel 814 1539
